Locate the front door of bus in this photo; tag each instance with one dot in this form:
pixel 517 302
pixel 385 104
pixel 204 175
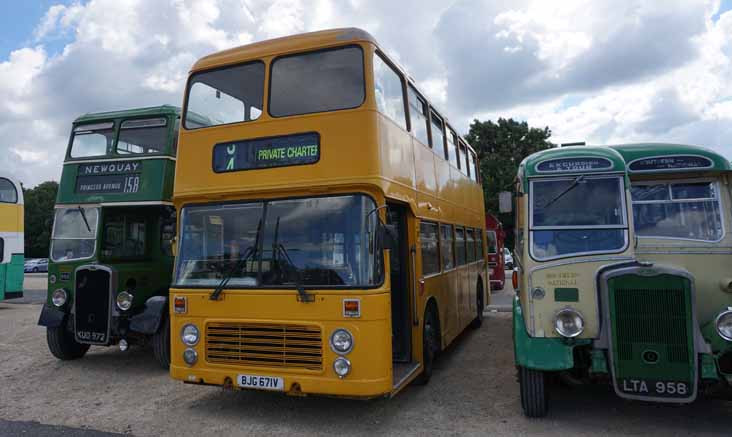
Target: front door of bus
pixel 396 215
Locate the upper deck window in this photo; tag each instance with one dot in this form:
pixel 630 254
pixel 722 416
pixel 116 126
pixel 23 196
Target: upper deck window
pixel 142 136
pixel 472 165
pixel 389 92
pixel 322 81
pixel 418 115
pixel 574 216
pixel 438 139
pixel 685 210
pixel 92 139
pixel 452 148
pixel 462 157
pixel 224 96
pixel 8 193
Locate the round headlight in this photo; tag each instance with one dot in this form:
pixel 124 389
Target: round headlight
pixel 190 356
pixel 59 297
pixel 724 324
pixel 341 341
pixel 569 323
pixel 341 367
pixel 124 301
pixel 189 334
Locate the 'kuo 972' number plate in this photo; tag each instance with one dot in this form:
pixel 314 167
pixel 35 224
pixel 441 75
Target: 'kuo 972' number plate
pixel 261 382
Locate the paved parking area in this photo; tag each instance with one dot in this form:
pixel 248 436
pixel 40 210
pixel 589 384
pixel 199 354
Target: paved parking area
pixel 473 392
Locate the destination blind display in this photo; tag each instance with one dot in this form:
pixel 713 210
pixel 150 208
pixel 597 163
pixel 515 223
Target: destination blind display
pixel 269 152
pixel 109 177
pixel 573 164
pixel 680 162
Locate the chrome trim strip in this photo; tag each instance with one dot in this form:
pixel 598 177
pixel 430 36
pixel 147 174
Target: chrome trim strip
pixel 125 158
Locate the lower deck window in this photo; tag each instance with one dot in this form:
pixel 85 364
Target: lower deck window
pixel 429 245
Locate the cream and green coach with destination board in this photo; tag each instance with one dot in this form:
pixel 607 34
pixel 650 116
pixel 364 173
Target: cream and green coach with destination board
pixel 623 271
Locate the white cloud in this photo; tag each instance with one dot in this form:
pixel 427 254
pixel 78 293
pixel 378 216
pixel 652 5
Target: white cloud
pixel 596 70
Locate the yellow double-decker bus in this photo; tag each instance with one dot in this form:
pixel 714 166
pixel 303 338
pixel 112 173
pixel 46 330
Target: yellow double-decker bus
pixel 331 227
pixel 11 239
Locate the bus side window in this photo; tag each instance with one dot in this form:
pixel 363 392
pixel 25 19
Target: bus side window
pixel 479 241
pixel 389 92
pixel 460 246
pixel 474 166
pixel 2 249
pixel 470 237
pixel 451 153
pixel 438 138
pixel 462 159
pixel 429 246
pixel 418 116
pixel 446 247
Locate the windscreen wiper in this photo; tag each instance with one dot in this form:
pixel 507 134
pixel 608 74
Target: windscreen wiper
pixel 571 187
pixel 249 254
pixel 83 216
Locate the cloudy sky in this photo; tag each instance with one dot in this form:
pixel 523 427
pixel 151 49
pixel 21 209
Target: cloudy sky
pixel 601 71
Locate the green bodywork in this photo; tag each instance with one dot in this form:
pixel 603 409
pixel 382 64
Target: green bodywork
pixel 549 354
pixel 632 152
pixel 151 273
pixel 528 167
pixel 11 277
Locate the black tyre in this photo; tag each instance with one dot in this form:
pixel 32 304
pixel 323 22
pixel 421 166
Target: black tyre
pixel 480 305
pixel 35 269
pixel 62 344
pixel 430 345
pixel 534 395
pixel 161 344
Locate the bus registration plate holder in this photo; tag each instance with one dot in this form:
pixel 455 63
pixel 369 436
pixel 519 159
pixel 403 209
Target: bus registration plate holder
pixel 272 383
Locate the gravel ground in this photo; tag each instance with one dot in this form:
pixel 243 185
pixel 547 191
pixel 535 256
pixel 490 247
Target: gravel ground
pixel 473 392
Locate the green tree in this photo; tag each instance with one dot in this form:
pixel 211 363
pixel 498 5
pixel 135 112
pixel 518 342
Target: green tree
pixel 39 203
pixel 501 147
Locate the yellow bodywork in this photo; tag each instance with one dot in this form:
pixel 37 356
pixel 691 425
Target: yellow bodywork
pixel 361 151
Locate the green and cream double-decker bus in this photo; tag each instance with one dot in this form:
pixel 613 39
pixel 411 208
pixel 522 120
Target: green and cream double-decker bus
pixel 111 254
pixel 623 271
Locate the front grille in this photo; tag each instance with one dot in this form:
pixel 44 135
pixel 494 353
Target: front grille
pixel 265 345
pixel 92 304
pixel 654 316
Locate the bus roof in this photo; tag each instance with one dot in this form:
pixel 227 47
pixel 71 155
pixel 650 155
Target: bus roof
pixel 137 112
pixel 572 160
pixel 283 45
pixel 644 158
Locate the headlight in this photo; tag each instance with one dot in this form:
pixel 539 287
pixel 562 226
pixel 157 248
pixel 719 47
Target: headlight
pixel 569 323
pixel 190 356
pixel 59 297
pixel 189 335
pixel 341 367
pixel 341 341
pixel 724 324
pixel 124 301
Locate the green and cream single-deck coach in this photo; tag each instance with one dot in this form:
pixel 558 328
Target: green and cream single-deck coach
pixel 624 271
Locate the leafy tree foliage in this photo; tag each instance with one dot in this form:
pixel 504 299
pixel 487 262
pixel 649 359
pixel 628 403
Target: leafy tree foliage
pixel 501 147
pixel 39 202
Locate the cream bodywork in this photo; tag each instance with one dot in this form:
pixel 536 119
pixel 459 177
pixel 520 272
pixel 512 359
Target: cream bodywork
pixel 568 272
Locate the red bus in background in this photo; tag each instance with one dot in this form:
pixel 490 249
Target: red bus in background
pixel 495 237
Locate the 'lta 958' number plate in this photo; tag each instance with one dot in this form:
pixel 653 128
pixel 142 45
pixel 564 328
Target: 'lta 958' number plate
pixel 659 389
pixel 261 382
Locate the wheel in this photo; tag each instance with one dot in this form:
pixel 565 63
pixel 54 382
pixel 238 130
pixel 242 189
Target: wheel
pixel 480 305
pixel 430 342
pixel 509 266
pixel 35 269
pixel 62 344
pixel 498 286
pixel 161 344
pixel 534 396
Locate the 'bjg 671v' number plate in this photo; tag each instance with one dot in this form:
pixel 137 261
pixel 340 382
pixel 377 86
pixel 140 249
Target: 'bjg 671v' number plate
pixel 261 382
